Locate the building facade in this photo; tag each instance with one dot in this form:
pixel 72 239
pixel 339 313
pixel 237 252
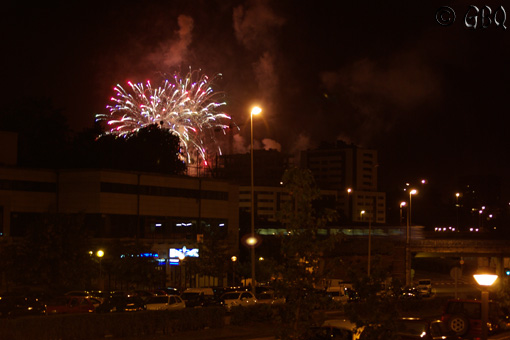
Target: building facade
pixel 167 213
pixel 352 171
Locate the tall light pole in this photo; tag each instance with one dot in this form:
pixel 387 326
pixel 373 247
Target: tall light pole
pixel 100 255
pixel 408 250
pixel 402 205
pixel 457 195
pixel 370 214
pixel 254 111
pixel 234 259
pixel 485 280
pixel 349 206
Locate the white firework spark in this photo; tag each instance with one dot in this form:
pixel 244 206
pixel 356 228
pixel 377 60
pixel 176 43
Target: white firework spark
pixel 185 106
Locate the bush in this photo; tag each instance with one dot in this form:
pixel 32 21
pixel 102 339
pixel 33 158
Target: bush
pixel 256 313
pixel 115 325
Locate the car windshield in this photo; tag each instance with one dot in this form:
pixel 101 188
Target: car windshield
pixel 231 296
pixel 158 299
pixel 189 295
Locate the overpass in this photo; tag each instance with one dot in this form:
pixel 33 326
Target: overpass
pixel 461 247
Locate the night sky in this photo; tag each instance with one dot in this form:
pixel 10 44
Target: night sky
pixel 432 99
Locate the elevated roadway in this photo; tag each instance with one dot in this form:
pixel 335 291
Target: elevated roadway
pixel 461 247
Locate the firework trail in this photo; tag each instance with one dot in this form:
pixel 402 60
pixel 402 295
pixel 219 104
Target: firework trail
pixel 184 106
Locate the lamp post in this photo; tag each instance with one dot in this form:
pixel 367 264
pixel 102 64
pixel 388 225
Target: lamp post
pixel 485 281
pixel 408 250
pixel 254 111
pixel 369 240
pixel 234 259
pixel 402 205
pixel 100 255
pixel 349 206
pixel 457 207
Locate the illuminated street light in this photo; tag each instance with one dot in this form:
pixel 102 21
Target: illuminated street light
pixel 100 254
pixel 402 205
pixel 254 111
pixel 349 205
pixel 485 281
pixel 234 259
pixel 408 252
pixel 457 195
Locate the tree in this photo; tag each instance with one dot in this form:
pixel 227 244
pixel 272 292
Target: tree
pixel 149 149
pixel 300 270
pixel 377 308
pixel 215 258
pixel 130 263
pixel 154 149
pixel 53 255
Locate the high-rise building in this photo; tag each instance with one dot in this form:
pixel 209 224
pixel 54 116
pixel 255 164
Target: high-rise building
pixel 352 171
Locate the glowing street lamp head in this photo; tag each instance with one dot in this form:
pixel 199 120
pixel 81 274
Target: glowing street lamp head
pixel 349 190
pixel 403 204
pixel 100 253
pixel 234 258
pixel 255 110
pixel 413 192
pixel 485 279
pixel 251 241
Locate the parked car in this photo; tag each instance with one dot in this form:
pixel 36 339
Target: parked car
pixel 352 295
pixel 337 294
pixel 410 293
pixel 269 297
pixel 423 329
pixel 238 298
pixel 121 304
pixel 464 317
pixel 18 305
pixel 78 293
pixel 425 287
pixel 143 294
pixel 72 304
pixel 169 302
pixel 171 290
pixel 199 297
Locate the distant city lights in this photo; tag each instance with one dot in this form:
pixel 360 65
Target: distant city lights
pixel 453 229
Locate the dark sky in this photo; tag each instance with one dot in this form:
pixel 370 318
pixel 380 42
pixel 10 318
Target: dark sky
pixel 432 99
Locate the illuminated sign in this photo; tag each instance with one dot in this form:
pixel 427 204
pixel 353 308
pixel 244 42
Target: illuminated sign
pixel 139 255
pixel 183 252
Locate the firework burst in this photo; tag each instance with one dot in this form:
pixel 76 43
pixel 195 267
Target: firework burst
pixel 185 106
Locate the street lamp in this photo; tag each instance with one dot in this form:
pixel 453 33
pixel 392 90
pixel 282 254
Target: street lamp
pixel 254 111
pixel 100 255
pixel 408 252
pixel 485 281
pixel 234 259
pixel 349 205
pixel 402 205
pixel 457 195
pixel 369 239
